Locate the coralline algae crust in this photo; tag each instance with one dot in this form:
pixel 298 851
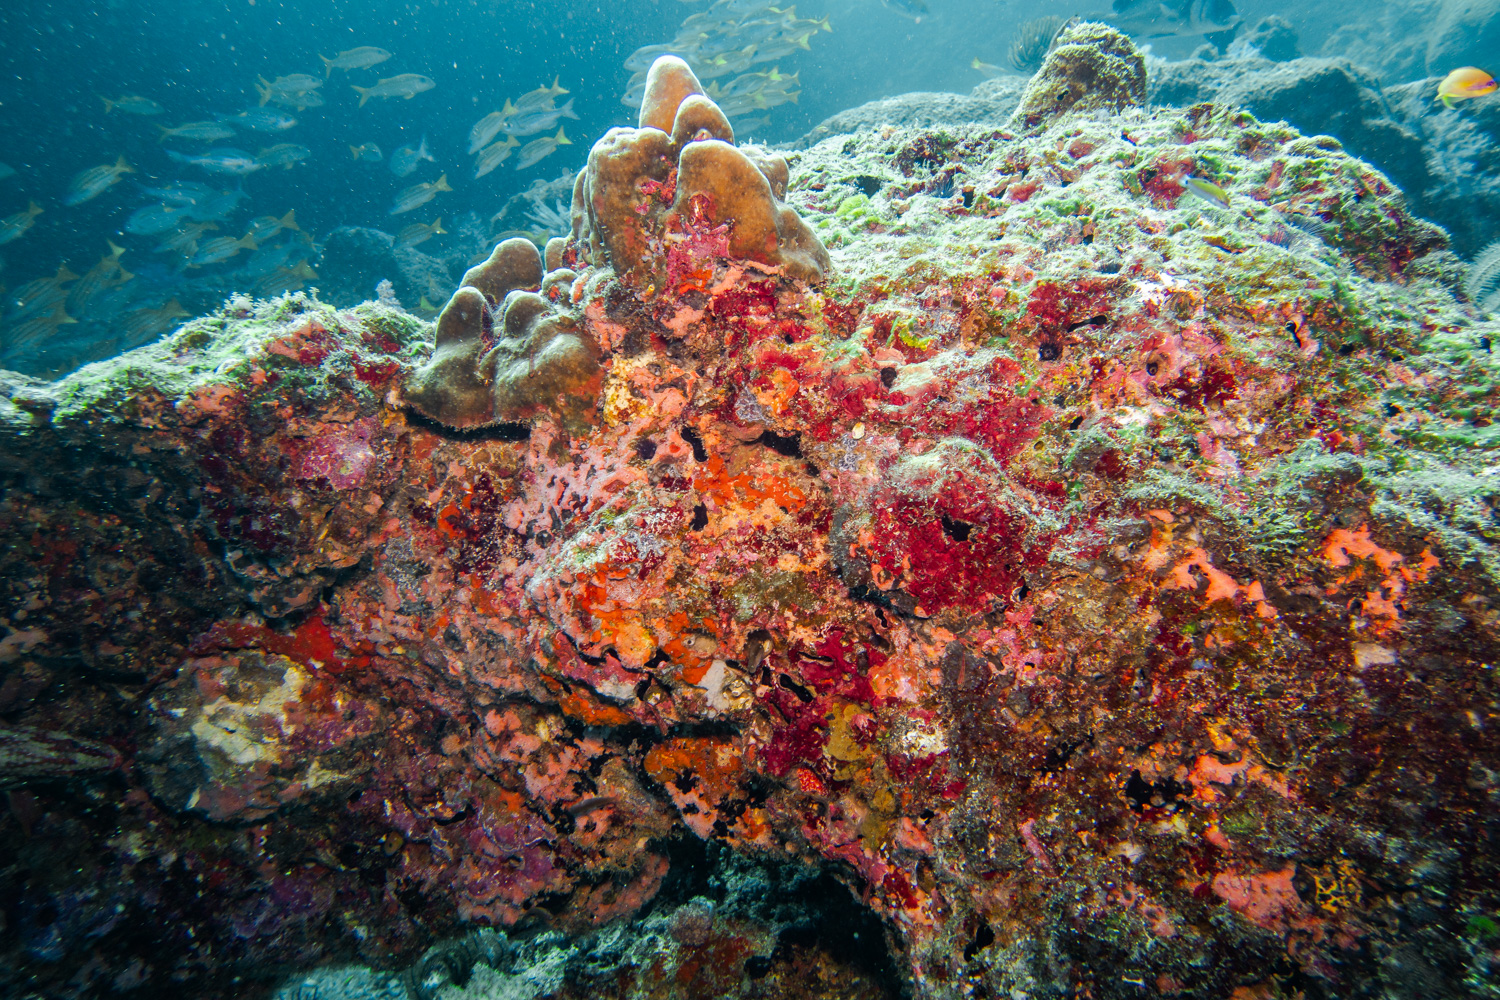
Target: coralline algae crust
pixel 1097 582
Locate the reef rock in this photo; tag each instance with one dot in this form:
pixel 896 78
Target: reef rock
pixel 1096 583
pixel 990 103
pixel 1445 162
pixel 1091 66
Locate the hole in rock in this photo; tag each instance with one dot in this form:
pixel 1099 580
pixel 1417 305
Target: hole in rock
pixel 983 938
pixel 1048 352
pixel 1099 320
pixel 493 432
pixel 802 693
pixel 1160 795
pixel 790 446
pixel 956 530
pixel 691 437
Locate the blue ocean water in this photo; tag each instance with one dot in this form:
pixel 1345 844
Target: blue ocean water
pixel 200 63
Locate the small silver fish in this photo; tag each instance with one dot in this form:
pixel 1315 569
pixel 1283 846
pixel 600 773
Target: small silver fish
pixel 299 101
pixel 220 161
pixel 532 122
pixel 148 323
pixel 541 97
pixel 283 154
pixel 406 159
pixel 24 333
pixel 407 85
pixel 368 152
pixel 179 192
pixel 362 57
pixel 216 206
pixel 493 155
pixel 13 226
pixel 185 239
pixel 418 195
pixel 489 126
pixel 107 273
pixel 420 232
pixel 132 105
pixel 286 86
pixel 221 248
pixel 261 120
pixel 95 181
pixel 538 150
pixel 153 220
pixel 196 131
pixel 268 226
pixel 40 295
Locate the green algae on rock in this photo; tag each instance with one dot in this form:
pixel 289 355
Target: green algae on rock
pixel 1097 582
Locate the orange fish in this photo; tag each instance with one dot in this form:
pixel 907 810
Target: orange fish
pixel 1464 83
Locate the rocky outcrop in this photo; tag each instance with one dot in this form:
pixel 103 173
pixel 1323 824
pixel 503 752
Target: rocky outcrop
pixel 1445 161
pixel 990 104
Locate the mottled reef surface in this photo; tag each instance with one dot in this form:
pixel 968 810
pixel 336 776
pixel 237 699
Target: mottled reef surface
pixel 1061 586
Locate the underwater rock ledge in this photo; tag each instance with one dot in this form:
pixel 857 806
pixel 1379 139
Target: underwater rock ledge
pixel 1098 582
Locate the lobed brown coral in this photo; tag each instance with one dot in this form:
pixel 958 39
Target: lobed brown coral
pixel 680 172
pixel 485 372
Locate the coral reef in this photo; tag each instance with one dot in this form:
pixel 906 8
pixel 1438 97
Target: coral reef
pixel 1096 584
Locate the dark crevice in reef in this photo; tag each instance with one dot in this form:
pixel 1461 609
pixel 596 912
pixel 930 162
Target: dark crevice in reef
pixel 815 909
pixel 790 445
pixel 691 437
pixel 791 914
pixel 493 432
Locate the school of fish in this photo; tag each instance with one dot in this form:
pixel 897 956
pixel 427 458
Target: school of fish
pixel 188 221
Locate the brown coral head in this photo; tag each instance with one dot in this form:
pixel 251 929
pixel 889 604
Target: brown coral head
pixel 513 264
pixel 719 184
pixel 450 388
pixel 640 183
pixel 543 362
pixel 669 82
pixel 1091 66
pixel 699 118
pixel 486 371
